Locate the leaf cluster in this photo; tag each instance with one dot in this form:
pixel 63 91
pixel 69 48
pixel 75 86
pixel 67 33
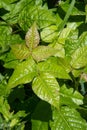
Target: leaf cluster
pixel 43 61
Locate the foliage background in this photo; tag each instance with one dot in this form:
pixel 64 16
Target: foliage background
pixel 43 65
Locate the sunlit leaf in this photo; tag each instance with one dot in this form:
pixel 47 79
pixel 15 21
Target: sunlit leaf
pixel 66 31
pixel 43 52
pixel 83 39
pixel 77 72
pixel 67 119
pixel 40 14
pixel 32 37
pixel 60 48
pixel 20 51
pixel 70 97
pixel 51 66
pixel 79 58
pixel 65 63
pixel 49 34
pixel 46 87
pixel 23 73
pixel 71 42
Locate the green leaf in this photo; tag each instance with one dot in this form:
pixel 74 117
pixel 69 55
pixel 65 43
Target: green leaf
pixel 83 39
pixel 60 48
pixel 71 42
pixel 70 97
pixel 38 2
pixel 51 66
pixel 3 86
pixel 5 108
pixel 75 10
pixel 8 1
pixel 9 60
pixel 86 12
pixel 42 111
pixel 5 32
pixel 39 125
pixel 23 73
pixel 12 17
pixel 43 52
pixel 71 46
pixel 32 37
pixel 77 72
pixel 79 58
pixel 46 87
pixel 2 123
pixel 16 39
pixel 66 31
pixel 67 119
pixel 41 116
pixel 65 63
pixel 49 34
pixel 40 14
pixel 20 51
pixel 45 17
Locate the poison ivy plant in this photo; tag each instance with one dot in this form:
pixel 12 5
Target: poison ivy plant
pixel 43 65
pixel 67 118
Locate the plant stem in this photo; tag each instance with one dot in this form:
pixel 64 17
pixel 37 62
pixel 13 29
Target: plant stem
pixel 67 15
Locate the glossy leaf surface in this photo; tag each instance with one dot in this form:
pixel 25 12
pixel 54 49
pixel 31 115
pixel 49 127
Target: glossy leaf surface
pixel 51 66
pixel 70 97
pixel 67 119
pixel 23 73
pixel 46 87
pixel 79 58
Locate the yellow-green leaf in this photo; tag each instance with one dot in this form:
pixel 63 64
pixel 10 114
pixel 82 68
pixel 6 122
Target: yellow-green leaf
pixel 43 52
pixel 67 119
pixel 47 88
pixel 79 58
pixel 23 73
pixel 20 51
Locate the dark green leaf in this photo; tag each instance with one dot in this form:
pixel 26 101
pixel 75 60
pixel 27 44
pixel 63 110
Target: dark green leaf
pixel 39 125
pixel 9 60
pixel 42 111
pixel 41 116
pixel 75 10
pixel 5 32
